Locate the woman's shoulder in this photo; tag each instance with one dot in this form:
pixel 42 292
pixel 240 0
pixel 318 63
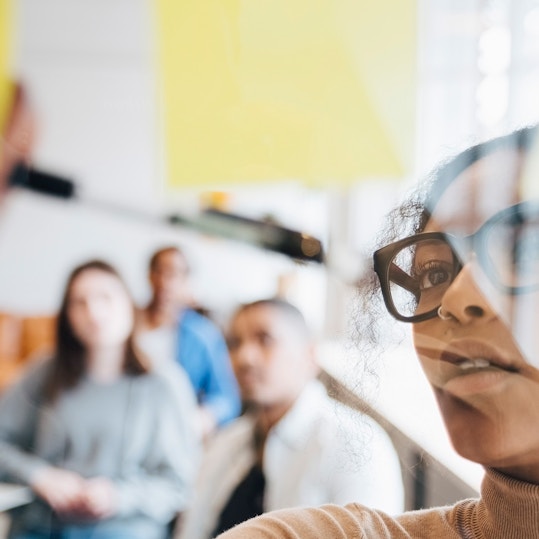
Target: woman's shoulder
pixel 30 386
pixel 345 522
pixel 337 522
pixel 36 374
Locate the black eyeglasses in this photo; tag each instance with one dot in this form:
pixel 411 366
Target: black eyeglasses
pixel 416 272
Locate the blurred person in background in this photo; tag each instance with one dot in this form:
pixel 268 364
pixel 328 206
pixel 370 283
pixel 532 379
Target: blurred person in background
pixel 107 446
pixel 169 329
pixel 17 134
pixel 295 445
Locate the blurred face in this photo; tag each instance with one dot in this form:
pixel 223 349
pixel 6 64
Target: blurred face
pixel 478 357
pixel 99 310
pixel 271 358
pixel 169 278
pixel 18 138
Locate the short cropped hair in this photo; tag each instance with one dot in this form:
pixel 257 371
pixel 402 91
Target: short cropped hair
pixel 167 249
pixel 284 307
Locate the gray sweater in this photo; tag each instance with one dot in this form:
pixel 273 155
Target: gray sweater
pixel 136 431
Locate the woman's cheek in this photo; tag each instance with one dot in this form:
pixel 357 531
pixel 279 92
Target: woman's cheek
pixel 524 324
pixel 125 320
pixel 428 346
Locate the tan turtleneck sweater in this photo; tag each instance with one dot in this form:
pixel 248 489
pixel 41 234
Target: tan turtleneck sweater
pixel 507 509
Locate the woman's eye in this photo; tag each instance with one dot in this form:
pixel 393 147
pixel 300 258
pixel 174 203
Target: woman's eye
pixel 433 274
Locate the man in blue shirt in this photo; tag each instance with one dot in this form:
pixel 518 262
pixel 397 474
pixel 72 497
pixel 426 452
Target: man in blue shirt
pixel 171 328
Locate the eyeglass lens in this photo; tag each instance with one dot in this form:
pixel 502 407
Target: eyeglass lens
pixel 513 253
pixel 421 272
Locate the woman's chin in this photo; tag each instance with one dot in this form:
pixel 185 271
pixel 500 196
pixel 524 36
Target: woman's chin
pixel 472 434
pixel 484 444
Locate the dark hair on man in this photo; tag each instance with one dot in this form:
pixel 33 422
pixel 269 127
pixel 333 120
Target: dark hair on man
pixel 68 365
pixel 167 249
pixel 284 307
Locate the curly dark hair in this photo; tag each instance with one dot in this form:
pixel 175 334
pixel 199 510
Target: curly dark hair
pixel 285 308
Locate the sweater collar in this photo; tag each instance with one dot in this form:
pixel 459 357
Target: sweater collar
pixel 508 507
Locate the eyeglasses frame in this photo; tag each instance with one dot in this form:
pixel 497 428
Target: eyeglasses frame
pixel 475 242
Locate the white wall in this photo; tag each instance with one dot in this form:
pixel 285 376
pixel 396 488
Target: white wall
pixel 89 68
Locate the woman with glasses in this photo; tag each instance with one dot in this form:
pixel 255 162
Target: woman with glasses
pixel 465 274
pixel 106 446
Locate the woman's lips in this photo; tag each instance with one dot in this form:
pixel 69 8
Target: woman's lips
pixel 462 352
pixel 479 367
pixel 466 385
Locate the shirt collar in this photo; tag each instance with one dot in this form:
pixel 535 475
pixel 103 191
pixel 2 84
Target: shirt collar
pixel 294 428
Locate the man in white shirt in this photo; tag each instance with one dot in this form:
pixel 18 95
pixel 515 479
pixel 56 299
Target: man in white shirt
pixel 295 445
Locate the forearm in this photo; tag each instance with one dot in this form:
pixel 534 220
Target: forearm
pixel 156 497
pixel 18 465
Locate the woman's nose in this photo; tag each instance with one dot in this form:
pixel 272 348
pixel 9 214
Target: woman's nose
pixel 97 309
pixel 464 300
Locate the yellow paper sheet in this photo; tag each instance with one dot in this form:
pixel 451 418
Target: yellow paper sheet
pixel 321 91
